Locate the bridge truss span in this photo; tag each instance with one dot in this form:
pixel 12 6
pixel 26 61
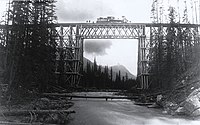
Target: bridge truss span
pixel 111 31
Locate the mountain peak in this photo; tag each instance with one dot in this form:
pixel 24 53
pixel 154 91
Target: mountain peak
pixel 123 70
pixel 116 68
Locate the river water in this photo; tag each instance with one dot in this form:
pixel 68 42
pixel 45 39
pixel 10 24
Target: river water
pixel 119 112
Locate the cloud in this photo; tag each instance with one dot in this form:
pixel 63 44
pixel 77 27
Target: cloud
pixel 81 10
pixel 97 47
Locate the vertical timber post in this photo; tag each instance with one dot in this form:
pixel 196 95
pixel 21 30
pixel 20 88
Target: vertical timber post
pixel 81 53
pixel 60 70
pixel 142 61
pixel 78 53
pixel 70 56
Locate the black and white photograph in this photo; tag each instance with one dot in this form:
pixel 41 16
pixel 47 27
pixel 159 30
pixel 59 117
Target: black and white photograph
pixel 99 62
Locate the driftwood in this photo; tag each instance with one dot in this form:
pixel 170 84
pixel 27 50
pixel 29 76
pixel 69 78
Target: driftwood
pixel 52 107
pixel 143 104
pixel 94 97
pixel 15 123
pixel 27 112
pixel 21 123
pixel 154 105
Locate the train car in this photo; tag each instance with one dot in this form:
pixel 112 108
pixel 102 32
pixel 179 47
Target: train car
pixel 111 19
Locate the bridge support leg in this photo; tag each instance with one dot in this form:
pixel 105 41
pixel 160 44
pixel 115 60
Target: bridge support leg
pixel 71 44
pixel 143 61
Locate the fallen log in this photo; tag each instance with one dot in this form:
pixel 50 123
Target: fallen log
pixel 27 112
pixel 144 104
pixel 94 97
pixel 20 123
pixel 54 106
pixel 154 105
pixel 15 123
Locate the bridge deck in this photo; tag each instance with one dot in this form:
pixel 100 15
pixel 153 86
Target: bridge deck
pixel 116 24
pixel 127 24
pixel 91 97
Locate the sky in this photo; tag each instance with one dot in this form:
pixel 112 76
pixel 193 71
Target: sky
pixel 110 52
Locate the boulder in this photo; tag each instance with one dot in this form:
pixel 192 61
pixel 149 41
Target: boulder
pixel 181 111
pixel 192 103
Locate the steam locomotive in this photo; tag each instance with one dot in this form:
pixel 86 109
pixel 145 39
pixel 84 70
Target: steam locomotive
pixel 111 19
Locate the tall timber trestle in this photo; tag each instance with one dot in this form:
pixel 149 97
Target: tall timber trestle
pixel 70 37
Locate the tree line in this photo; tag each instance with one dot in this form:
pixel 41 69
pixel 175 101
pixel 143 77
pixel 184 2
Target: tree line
pixel 174 51
pixel 99 77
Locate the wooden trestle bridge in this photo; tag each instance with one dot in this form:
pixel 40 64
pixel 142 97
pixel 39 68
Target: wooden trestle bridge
pixel 70 38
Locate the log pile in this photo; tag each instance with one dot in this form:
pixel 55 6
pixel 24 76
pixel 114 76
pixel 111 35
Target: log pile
pixel 39 111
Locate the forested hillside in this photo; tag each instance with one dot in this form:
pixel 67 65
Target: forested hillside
pixel 96 76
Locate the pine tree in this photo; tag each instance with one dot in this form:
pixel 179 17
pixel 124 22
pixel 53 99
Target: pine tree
pixel 95 65
pixel 111 74
pixel 31 50
pixel 126 77
pixel 171 37
pixel 88 75
pixel 119 76
pixel 123 79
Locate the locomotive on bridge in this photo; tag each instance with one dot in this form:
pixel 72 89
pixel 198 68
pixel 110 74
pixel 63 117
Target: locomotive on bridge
pixel 111 19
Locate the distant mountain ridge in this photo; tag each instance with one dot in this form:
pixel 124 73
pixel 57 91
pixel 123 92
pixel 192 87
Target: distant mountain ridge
pixel 123 70
pixel 116 68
